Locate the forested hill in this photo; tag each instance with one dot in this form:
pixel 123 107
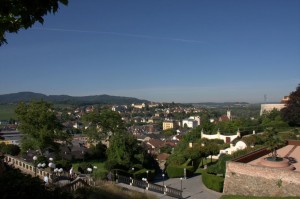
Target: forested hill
pixel 66 99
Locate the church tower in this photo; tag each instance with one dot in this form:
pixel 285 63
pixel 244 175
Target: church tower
pixel 229 114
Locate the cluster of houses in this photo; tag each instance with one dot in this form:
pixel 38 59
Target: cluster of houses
pixel 146 128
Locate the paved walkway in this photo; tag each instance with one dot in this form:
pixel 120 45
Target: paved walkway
pixel 193 188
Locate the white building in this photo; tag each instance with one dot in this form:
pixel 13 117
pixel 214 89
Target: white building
pixel 270 107
pixel 191 122
pixel 225 138
pixel 197 118
pixel 240 145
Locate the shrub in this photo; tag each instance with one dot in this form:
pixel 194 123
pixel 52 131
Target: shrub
pixel 65 164
pixel 212 181
pixel 42 159
pixel 82 168
pixel 178 171
pixel 11 149
pixel 220 166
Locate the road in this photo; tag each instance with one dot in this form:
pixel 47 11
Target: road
pixel 193 188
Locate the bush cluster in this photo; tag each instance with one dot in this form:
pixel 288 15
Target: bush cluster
pixel 10 149
pixel 220 166
pixel 212 181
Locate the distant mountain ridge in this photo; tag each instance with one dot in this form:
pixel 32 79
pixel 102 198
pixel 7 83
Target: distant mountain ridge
pixel 93 99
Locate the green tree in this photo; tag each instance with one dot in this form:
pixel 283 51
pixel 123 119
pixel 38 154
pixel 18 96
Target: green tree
pixel 206 125
pixel 169 132
pixel 22 14
pixel 291 113
pixel 10 149
pixel 40 127
pixel 125 152
pixel 166 149
pixel 212 149
pixel 103 124
pixel 273 141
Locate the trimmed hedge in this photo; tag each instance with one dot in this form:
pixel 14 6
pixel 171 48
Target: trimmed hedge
pixel 212 181
pixel 177 171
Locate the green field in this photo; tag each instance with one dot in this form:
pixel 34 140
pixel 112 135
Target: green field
pixel 7 111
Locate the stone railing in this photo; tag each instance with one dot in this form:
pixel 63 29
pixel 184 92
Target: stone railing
pixel 74 185
pixel 149 186
pixel 24 166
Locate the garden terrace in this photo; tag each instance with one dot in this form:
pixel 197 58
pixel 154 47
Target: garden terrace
pixel 247 176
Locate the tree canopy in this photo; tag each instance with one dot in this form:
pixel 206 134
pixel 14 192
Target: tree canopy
pixel 40 126
pixel 125 152
pixel 22 14
pixel 102 124
pixel 273 141
pixel 291 113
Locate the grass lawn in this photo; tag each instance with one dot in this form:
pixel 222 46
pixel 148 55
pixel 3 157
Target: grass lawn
pixel 7 111
pixel 98 163
pixel 205 162
pixel 254 197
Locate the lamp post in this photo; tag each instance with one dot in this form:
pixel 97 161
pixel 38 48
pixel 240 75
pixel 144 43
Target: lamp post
pixel 82 155
pixel 181 184
pixel 145 181
pixel 52 167
pixel 163 175
pixel 55 171
pixel 60 171
pixel 34 159
pixel 89 170
pixel 133 172
pixel 147 174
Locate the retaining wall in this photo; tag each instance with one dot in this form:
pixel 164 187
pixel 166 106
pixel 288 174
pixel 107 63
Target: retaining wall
pixel 245 179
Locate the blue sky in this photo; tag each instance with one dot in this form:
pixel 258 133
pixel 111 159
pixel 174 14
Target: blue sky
pixel 159 50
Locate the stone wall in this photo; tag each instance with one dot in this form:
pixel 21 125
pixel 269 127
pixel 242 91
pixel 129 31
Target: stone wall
pixel 245 179
pixel 25 167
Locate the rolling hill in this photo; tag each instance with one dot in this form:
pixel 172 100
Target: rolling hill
pixel 66 99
